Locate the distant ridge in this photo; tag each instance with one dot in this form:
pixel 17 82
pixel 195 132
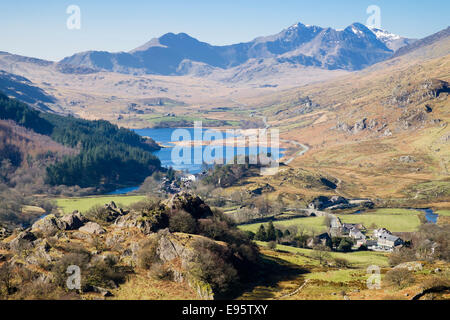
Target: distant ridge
pixel 353 48
pixel 423 42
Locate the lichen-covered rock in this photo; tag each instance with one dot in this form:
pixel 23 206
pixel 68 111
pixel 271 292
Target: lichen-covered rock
pixel 40 254
pixel 92 228
pixel 411 266
pixel 148 220
pixel 176 251
pixel 74 221
pixel 4 233
pixel 23 241
pixel 191 204
pixel 49 225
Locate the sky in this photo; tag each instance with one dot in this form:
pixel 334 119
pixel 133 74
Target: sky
pixel 39 28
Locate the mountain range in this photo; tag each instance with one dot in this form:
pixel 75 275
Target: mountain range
pixel 352 48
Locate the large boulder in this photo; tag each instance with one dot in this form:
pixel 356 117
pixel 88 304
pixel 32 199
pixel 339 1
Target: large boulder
pixel 176 251
pixel 147 223
pixel 112 212
pixel 23 241
pixel 191 204
pixel 411 266
pixel 74 221
pixel 40 254
pixel 49 225
pixel 92 228
pixel 4 233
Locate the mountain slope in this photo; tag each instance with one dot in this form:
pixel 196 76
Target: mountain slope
pixel 351 49
pixel 108 156
pixel 392 41
pixel 383 131
pixel 23 89
pixel 439 36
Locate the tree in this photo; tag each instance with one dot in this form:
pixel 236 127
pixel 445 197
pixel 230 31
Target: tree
pixel 399 277
pixel 301 240
pixel 321 253
pixel 272 245
pixel 345 245
pixel 6 277
pixel 279 234
pixel 181 221
pixel 271 233
pixel 336 241
pixel 341 262
pixel 327 221
pixel 261 235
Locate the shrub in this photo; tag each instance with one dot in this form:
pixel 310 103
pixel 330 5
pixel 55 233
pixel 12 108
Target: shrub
pixel 321 253
pixel 399 277
pixel 147 254
pixel 59 269
pixel 212 265
pixel 345 245
pixel 6 277
pixel 181 221
pixel 403 255
pixel 341 262
pixel 250 234
pixel 103 273
pixel 40 290
pixel 98 214
pixel 159 271
pixel 272 245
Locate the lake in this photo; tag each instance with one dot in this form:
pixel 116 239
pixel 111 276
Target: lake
pixel 164 137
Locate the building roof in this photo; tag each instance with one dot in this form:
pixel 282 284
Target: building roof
pixel 390 237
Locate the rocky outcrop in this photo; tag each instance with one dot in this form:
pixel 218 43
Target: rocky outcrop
pixel 49 225
pixel 112 212
pixel 359 126
pixel 24 240
pixel 176 251
pixel 260 189
pixel 40 254
pixel 147 222
pixel 323 202
pixel 407 159
pixel 54 241
pixel 191 204
pixel 74 221
pixel 4 233
pixel 92 228
pixel 411 266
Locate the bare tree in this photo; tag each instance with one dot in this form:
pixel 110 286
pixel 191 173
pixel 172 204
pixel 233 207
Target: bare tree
pixel 6 277
pixel 321 253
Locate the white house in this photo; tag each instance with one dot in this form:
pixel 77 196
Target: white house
pixel 389 241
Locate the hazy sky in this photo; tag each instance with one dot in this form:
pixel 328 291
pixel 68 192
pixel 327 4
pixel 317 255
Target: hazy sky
pixel 38 28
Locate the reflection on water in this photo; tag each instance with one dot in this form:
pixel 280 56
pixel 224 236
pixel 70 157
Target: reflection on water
pixel 164 137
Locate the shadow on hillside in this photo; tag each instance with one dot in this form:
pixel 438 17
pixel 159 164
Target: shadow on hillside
pixel 262 283
pixel 23 89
